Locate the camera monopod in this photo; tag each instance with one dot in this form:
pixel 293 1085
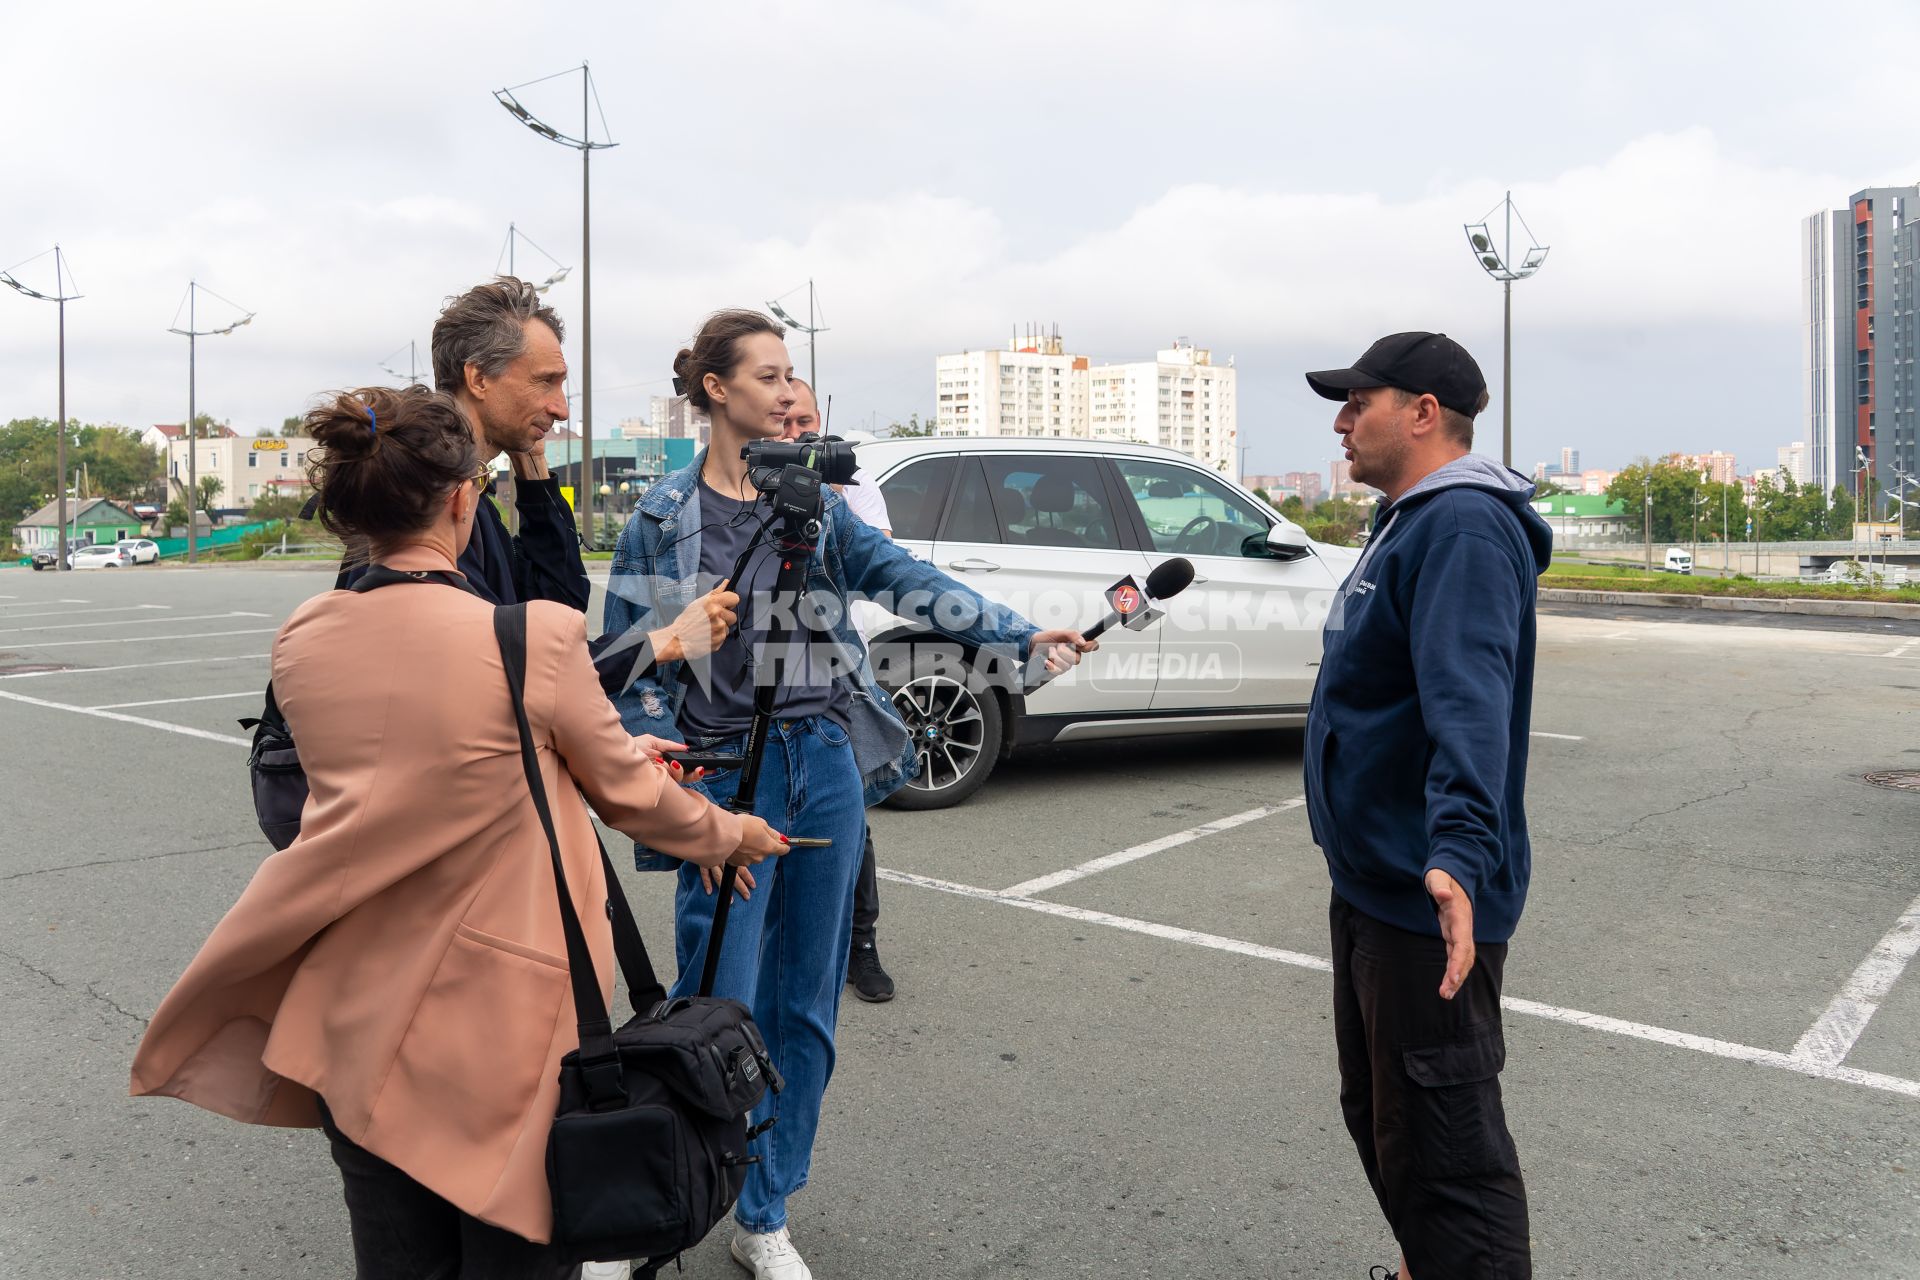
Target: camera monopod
pixel 794 532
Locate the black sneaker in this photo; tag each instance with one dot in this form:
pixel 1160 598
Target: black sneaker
pixel 870 981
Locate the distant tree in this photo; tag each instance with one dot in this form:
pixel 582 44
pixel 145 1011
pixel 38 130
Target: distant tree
pixel 1293 507
pixel 274 506
pixel 176 517
pixel 1338 521
pixel 912 427
pixel 210 488
pixel 118 466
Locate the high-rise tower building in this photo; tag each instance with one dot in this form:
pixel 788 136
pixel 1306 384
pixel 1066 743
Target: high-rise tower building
pixel 1860 267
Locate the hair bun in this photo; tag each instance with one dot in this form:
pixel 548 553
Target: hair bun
pixel 344 427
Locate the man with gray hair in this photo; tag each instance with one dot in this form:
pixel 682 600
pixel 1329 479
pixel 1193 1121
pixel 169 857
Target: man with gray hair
pixel 496 351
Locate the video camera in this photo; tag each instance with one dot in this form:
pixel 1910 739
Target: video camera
pixel 792 471
pixel 830 457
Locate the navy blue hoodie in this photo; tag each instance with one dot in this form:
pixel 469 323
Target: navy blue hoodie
pixel 1416 753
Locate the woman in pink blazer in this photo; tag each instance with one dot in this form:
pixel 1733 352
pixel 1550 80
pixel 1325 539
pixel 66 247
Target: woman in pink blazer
pixel 398 975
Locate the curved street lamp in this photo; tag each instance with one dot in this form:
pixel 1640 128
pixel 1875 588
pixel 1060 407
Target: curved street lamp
pixel 60 297
pixel 810 328
pixel 586 146
pixel 412 375
pixel 514 236
pixel 191 334
pixel 1497 261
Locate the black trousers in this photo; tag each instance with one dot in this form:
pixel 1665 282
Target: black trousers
pixel 402 1231
pixel 866 898
pixel 1420 1087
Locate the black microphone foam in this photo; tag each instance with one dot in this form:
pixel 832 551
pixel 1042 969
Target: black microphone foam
pixel 1169 578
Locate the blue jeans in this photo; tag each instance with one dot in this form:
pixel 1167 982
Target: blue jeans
pixel 785 953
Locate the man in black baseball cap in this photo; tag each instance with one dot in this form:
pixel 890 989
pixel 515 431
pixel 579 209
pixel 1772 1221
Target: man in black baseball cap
pixel 1417 802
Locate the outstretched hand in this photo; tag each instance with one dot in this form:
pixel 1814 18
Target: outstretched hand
pixel 1456 929
pixel 1062 648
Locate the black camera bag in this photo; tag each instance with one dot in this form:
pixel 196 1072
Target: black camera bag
pixel 649 1148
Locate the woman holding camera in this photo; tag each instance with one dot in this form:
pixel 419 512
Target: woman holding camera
pixel 398 975
pixel 836 744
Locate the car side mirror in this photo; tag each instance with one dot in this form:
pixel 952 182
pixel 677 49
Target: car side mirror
pixel 1282 541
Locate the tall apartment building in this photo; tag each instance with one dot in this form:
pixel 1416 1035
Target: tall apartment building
pixel 1794 461
pixel 1719 467
pixel 1860 267
pixel 673 418
pixel 1035 387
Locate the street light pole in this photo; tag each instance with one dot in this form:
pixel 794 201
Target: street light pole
pixel 1648 530
pixel 586 313
pixel 1498 262
pixel 60 298
pixel 193 333
pixel 586 146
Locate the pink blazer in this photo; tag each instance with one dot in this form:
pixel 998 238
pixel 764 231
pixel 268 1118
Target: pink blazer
pixel 403 958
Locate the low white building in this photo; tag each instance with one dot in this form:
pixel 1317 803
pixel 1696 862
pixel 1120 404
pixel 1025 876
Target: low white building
pixel 248 467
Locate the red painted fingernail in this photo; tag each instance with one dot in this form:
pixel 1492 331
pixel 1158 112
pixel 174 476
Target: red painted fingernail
pixel 784 840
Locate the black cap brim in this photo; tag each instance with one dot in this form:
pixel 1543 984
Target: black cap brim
pixel 1333 384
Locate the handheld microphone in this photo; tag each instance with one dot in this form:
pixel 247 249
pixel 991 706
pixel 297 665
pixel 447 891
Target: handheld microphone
pixel 1127 603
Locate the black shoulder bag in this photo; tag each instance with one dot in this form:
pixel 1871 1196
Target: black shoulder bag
pixel 279 781
pixel 649 1149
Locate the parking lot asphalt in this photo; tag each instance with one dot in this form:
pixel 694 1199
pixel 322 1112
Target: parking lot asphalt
pixel 1127 1068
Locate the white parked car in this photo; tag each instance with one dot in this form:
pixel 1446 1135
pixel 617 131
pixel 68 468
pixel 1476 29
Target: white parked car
pixel 141 550
pixel 105 555
pixel 1047 527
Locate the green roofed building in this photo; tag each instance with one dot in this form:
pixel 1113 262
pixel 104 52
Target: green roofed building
pixel 90 520
pixel 1590 517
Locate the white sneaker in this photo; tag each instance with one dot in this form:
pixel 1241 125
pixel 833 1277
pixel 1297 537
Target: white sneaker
pixel 769 1255
pixel 606 1271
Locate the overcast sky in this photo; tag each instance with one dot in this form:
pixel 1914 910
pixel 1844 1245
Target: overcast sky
pixel 1279 182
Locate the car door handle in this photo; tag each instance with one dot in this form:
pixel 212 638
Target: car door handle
pixel 1200 579
pixel 973 565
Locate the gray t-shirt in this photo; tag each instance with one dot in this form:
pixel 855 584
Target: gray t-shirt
pixel 720 688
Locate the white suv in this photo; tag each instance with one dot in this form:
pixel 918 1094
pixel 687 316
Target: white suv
pixel 1047 527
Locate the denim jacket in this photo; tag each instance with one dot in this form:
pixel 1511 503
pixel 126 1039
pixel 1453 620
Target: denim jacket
pixel 656 575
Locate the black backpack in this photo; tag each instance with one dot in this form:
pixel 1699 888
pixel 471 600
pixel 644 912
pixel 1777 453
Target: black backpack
pixel 279 783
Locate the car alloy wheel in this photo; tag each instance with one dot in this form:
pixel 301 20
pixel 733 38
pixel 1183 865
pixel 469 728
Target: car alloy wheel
pixel 956 727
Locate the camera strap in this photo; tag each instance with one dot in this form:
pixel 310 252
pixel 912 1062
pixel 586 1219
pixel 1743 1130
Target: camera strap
pixel 643 987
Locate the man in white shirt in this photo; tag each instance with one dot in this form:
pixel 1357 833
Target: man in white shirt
pixel 870 981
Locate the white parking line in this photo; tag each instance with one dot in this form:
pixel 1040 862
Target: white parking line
pixel 199 635
pixel 1041 884
pixel 74 613
pixel 139 720
pixel 1829 1040
pixel 1531 1008
pixel 167 702
pixel 28 603
pixel 1564 737
pixel 129 666
pixel 124 622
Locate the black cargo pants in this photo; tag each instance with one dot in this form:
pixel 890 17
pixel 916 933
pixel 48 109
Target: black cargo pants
pixel 1420 1087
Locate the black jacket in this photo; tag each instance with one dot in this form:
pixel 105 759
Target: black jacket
pixel 542 563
